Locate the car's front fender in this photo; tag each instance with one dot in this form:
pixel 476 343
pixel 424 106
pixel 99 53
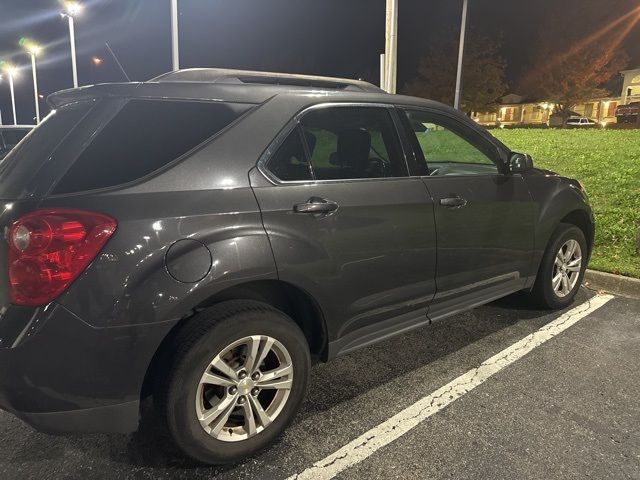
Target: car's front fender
pixel 558 199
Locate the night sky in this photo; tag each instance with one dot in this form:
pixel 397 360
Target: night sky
pixel 327 37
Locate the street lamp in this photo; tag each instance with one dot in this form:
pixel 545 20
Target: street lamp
pixel 33 49
pixel 10 70
pixel 71 9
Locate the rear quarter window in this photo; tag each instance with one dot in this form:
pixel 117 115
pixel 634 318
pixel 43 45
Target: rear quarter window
pixel 12 137
pixel 142 138
pixel 25 160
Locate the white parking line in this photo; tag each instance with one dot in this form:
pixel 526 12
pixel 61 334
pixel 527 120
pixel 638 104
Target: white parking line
pixel 396 426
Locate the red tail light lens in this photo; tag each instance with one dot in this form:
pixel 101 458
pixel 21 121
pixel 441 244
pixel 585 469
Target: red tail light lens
pixel 48 249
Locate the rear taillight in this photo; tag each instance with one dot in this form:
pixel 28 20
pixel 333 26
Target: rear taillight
pixel 48 249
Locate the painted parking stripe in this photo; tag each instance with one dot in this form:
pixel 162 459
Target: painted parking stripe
pixel 396 426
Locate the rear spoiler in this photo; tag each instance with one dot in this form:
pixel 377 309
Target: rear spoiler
pixel 73 95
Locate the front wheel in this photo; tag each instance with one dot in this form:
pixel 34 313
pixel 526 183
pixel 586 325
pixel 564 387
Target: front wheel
pixel 562 268
pixel 238 380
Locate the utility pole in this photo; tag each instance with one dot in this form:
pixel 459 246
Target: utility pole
pixel 391 46
pixel 175 49
pixel 463 31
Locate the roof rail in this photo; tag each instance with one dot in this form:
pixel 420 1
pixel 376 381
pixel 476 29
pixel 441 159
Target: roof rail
pixel 225 76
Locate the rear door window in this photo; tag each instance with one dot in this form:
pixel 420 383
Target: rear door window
pixel 143 137
pixel 352 143
pixel 290 163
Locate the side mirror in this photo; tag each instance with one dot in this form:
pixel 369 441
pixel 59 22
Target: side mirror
pixel 520 162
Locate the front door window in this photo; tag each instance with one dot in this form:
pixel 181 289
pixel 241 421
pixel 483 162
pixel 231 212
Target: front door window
pixel 443 151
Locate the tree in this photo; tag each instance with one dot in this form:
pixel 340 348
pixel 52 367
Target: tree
pixel 483 78
pixel 570 67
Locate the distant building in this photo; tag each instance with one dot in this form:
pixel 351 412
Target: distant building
pixel 519 110
pixel 631 86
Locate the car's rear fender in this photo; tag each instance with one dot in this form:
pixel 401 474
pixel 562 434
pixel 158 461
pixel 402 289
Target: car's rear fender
pixel 170 252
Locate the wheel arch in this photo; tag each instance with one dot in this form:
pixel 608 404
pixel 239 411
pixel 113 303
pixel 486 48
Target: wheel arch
pixel 580 218
pixel 290 299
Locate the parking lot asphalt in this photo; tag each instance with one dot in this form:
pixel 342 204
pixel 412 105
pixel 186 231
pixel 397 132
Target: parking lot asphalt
pixel 567 409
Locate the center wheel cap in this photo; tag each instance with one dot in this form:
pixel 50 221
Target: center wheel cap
pixel 245 386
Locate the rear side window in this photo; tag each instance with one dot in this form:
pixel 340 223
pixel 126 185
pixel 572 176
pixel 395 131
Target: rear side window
pixel 22 163
pixel 12 137
pixel 144 136
pixel 353 142
pixel 289 163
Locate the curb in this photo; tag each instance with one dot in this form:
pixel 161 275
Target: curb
pixel 608 282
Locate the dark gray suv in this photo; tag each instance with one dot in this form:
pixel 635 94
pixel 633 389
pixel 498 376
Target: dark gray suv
pixel 204 237
pixel 10 136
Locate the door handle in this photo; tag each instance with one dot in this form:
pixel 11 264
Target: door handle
pixel 453 202
pixel 316 205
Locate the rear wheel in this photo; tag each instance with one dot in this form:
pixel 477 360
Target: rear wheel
pixel 562 268
pixel 238 381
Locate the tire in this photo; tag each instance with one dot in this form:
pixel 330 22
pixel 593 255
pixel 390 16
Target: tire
pixel 185 400
pixel 543 294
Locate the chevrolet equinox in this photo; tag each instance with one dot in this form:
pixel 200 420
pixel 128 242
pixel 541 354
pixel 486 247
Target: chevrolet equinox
pixel 204 237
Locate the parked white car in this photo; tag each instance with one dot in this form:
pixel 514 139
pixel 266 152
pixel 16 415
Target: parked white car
pixel 580 122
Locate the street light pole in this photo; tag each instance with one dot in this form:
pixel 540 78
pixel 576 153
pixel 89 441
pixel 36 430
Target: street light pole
pixel 71 10
pixel 175 48
pixel 33 49
pixel 391 46
pixel 35 86
pixel 463 31
pixel 13 96
pixel 72 40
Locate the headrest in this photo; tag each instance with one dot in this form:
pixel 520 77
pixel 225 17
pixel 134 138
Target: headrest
pixel 354 146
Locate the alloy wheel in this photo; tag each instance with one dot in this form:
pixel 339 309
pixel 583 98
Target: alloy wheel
pixel 566 268
pixel 244 388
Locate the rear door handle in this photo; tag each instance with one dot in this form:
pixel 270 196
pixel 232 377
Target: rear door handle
pixel 453 202
pixel 316 205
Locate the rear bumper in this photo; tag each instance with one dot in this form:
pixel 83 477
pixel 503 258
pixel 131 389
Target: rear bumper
pixel 117 418
pixel 61 375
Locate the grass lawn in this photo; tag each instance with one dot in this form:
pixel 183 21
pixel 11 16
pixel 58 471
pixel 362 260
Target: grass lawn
pixel 607 163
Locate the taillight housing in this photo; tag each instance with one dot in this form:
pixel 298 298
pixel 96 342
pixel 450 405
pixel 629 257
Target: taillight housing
pixel 49 249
